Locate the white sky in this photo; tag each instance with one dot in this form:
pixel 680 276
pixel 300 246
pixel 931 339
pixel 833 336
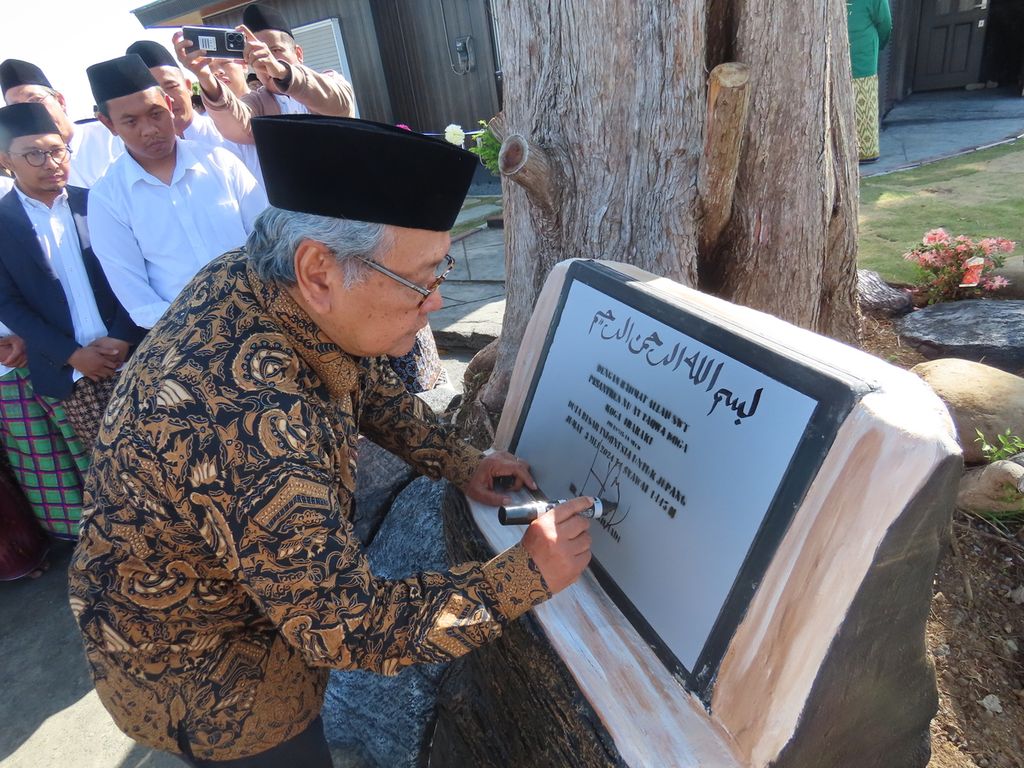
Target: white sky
pixel 63 37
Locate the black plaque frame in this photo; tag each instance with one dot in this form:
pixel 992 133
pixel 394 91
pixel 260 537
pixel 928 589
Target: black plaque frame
pixel 835 395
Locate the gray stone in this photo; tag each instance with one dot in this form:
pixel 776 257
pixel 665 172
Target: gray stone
pixel 979 397
pixel 877 297
pixel 439 398
pixel 994 488
pixel 1012 270
pixel 990 331
pixel 380 476
pixel 381 720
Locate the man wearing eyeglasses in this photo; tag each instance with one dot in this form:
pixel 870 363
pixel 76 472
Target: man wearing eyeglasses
pixel 93 148
pixel 218 577
pixel 54 296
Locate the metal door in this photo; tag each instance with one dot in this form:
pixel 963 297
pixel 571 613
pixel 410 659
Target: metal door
pixel 949 44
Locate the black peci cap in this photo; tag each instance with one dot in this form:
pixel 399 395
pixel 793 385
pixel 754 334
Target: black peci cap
pixel 258 17
pixel 356 169
pixel 14 72
pixel 119 77
pixel 31 119
pixel 153 54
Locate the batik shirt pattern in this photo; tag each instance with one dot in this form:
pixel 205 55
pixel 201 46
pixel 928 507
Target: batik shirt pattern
pixel 218 576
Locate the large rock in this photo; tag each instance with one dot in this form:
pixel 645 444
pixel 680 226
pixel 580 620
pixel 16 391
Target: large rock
pixel 877 297
pixel 1013 271
pixel 995 488
pixel 374 721
pixel 983 330
pixel 978 397
pixel 380 477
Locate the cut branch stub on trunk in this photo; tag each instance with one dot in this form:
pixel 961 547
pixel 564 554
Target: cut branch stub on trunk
pixel 530 167
pixel 728 102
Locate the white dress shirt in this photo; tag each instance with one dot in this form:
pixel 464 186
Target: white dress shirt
pixel 58 237
pixel 93 149
pixel 203 130
pixel 152 238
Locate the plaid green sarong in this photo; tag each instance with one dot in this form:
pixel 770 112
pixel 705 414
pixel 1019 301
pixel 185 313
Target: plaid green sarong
pixel 46 457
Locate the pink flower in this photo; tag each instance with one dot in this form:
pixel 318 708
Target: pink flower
pixel 936 237
pixel 1006 246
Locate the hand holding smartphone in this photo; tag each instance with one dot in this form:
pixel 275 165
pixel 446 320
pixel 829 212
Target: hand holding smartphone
pixel 216 42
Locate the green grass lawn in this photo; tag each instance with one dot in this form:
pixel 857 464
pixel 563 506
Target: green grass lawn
pixel 980 194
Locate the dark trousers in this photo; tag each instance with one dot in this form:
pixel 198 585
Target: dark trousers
pixel 307 750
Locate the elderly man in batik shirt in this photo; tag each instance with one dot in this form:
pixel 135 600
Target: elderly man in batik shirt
pixel 218 576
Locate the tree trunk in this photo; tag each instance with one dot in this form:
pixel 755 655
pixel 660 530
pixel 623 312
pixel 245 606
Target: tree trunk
pixel 605 123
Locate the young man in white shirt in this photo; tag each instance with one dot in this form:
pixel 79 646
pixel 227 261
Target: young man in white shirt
pixel 93 149
pixel 188 123
pixel 167 206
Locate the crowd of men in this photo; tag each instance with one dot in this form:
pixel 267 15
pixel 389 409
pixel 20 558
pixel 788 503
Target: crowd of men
pixel 201 314
pixel 124 210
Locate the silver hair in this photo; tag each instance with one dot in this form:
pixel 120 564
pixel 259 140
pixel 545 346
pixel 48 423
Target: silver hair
pixel 277 234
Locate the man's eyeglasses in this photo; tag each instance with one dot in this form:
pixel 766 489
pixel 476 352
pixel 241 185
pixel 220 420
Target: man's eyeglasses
pixel 422 290
pixel 37 157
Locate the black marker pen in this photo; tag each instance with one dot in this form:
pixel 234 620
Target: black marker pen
pixel 524 514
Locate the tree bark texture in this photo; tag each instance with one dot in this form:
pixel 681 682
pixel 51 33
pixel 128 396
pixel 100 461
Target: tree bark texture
pixel 611 96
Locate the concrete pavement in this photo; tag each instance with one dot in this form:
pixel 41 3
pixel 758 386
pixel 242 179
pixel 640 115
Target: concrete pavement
pixel 929 126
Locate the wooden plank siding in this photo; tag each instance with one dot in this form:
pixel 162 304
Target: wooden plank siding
pixel 426 94
pixel 360 37
pixel 896 64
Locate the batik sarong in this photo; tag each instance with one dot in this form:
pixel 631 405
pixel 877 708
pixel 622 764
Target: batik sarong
pixel 85 406
pixel 420 368
pixel 865 93
pixel 46 456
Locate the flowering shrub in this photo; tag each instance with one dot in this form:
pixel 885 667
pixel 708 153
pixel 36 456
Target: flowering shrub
pixel 959 267
pixel 487 148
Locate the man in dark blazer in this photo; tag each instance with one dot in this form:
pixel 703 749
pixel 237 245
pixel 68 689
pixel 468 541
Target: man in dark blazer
pixel 53 292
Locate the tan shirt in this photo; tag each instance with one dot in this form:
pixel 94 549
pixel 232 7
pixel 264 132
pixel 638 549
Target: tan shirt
pixel 322 93
pixel 218 576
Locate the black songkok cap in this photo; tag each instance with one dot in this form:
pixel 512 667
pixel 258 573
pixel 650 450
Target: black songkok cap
pixel 30 119
pixel 153 54
pixel 15 72
pixel 356 169
pixel 119 77
pixel 259 17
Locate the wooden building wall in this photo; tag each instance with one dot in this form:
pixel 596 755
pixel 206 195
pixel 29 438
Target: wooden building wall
pixel 896 64
pixel 401 68
pixel 426 93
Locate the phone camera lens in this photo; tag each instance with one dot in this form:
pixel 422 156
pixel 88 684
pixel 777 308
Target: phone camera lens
pixel 235 41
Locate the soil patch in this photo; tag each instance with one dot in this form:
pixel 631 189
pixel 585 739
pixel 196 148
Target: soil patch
pixel 975 628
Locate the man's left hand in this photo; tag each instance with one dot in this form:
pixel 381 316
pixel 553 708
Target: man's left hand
pixel 498 464
pixel 116 348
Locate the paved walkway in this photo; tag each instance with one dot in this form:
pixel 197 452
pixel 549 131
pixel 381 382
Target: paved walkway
pixel 930 126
